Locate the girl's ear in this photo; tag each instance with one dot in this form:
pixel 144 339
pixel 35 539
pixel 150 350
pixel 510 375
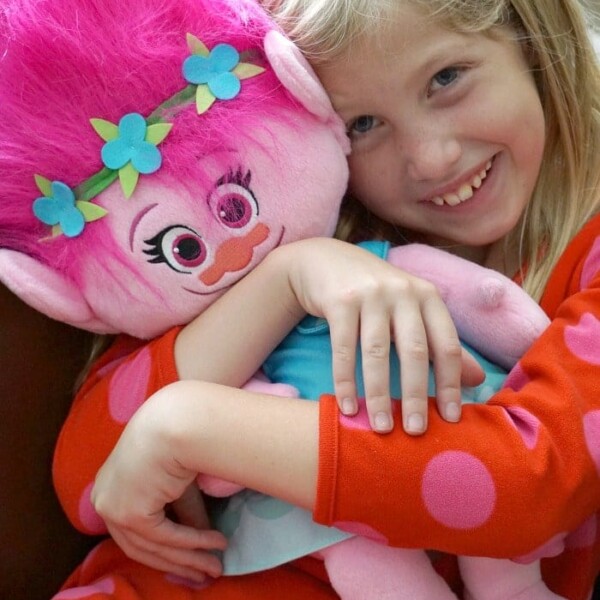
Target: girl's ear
pixel 47 291
pixel 297 75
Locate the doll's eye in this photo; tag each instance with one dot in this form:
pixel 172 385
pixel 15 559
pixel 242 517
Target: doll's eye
pixel 233 202
pixel 180 247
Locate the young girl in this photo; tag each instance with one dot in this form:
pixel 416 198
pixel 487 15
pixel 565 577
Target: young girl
pixel 474 127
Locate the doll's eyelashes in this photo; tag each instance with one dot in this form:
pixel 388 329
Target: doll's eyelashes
pixel 232 200
pixel 180 247
pixel 237 177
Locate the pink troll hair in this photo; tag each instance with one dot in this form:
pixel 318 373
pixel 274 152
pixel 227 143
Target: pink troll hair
pixel 63 62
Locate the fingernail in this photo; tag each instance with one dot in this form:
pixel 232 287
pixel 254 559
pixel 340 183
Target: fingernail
pixel 348 406
pixel 382 422
pixel 415 423
pixel 452 412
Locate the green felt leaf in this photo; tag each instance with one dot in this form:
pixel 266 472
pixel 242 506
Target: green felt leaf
pixel 128 176
pixel 90 211
pixel 246 70
pixel 196 46
pixel 105 129
pixel 156 133
pixel 44 185
pixel 204 99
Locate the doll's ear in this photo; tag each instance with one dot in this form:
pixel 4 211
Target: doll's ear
pixel 297 75
pixel 46 290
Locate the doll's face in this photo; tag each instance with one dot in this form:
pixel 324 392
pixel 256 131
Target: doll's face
pixel 184 244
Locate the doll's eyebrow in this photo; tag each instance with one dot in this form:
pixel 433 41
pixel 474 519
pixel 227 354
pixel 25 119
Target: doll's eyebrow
pixel 136 222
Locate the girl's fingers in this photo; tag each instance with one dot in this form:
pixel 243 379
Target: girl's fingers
pixel 190 509
pixel 447 357
pixel 343 327
pixel 472 372
pixel 411 345
pixel 375 351
pixel 190 564
pixel 175 535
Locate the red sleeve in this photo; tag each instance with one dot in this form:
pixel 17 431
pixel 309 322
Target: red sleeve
pixel 122 379
pixel 515 475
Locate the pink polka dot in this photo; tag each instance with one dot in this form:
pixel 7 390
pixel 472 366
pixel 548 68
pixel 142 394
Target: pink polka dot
pixel 582 339
pixel 552 547
pixel 585 535
pixel 89 518
pixel 182 581
pixel 363 530
pixel 591 432
pixel 525 423
pixel 359 421
pixel 128 387
pixel 458 490
pixel 104 586
pixel 592 264
pixel 110 366
pixel 516 379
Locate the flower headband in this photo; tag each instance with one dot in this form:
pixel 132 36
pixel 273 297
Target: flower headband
pixel 130 147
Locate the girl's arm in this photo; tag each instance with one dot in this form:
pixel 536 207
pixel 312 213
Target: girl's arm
pixel 230 340
pixel 264 442
pixel 359 295
pixel 513 478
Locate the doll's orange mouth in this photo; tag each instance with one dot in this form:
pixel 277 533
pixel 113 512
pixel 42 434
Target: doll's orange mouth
pixel 239 273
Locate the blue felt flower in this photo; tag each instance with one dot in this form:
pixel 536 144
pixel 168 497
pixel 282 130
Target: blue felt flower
pixel 131 145
pixel 214 70
pixel 60 209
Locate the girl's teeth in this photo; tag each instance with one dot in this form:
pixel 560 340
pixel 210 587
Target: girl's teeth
pixel 451 199
pixel 465 191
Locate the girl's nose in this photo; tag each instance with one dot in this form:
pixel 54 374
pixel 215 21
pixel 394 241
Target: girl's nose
pixel 431 155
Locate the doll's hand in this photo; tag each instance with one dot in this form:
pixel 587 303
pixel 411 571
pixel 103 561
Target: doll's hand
pixel 131 492
pixel 363 296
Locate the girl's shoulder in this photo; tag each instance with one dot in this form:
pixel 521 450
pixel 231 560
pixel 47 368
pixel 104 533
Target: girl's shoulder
pixel 576 268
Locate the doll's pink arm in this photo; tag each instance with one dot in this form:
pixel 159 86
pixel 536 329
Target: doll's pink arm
pixel 491 312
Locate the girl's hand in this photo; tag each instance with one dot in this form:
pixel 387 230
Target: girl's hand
pixel 362 296
pixel 131 492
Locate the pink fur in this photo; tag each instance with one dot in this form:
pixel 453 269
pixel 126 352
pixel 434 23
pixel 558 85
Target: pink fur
pixel 47 99
pixel 64 62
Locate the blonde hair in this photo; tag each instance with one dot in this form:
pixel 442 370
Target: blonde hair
pixel 555 35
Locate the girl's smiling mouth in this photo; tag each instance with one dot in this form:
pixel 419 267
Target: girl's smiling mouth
pixel 465 190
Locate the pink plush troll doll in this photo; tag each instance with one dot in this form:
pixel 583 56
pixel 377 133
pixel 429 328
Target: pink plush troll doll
pixel 148 153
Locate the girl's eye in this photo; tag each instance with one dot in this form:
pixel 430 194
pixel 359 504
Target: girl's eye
pixel 362 125
pixel 444 78
pixel 180 247
pixel 233 202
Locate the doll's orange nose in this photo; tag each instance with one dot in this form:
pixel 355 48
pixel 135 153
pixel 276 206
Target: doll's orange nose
pixel 234 254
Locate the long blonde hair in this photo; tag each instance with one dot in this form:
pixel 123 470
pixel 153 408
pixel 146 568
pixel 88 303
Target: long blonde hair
pixel 555 35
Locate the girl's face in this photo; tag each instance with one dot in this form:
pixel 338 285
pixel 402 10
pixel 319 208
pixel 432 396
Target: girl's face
pixel 447 129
